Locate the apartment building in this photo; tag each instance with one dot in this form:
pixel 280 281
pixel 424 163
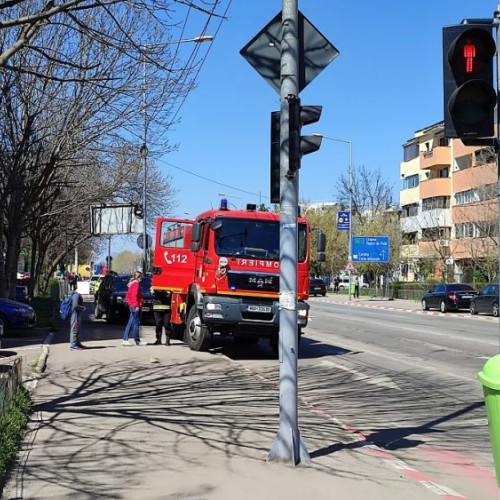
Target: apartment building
pixel 449 211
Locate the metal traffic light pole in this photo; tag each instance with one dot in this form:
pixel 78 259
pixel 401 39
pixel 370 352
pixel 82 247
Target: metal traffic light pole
pixel 288 445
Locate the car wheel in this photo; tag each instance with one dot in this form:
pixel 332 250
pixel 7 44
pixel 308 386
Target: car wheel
pixel 97 311
pixel 442 306
pixel 473 309
pixel 3 324
pixel 324 295
pixel 425 307
pixel 495 310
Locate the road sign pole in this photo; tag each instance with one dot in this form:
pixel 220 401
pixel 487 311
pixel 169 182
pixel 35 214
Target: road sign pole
pixel 288 446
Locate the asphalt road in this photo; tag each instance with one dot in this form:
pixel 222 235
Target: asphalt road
pixel 406 381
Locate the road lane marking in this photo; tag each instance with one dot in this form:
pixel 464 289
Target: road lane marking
pixel 380 380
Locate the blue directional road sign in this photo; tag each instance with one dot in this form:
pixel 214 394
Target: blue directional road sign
pixel 370 249
pixel 343 221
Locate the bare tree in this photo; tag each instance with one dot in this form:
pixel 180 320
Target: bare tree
pixel 69 116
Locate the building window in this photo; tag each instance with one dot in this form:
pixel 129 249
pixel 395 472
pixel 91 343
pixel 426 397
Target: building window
pixel 410 238
pixel 463 162
pixel 410 151
pixel 435 202
pixel 436 233
pixel 410 182
pixel 483 193
pixel 481 229
pixel 409 210
pixel 484 156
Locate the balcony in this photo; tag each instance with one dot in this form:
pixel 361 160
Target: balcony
pixel 438 157
pixel 440 186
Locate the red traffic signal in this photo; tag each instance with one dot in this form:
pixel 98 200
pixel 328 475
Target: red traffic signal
pixel 469 93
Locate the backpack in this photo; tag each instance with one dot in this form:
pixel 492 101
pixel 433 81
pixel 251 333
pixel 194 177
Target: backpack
pixel 66 307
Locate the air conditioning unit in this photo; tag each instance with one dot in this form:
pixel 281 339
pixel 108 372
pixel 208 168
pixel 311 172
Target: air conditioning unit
pixel 444 243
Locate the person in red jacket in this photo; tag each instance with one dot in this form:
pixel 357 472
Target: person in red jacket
pixel 134 301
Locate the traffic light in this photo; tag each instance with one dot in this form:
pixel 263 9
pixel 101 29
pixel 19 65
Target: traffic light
pixel 300 145
pixel 275 157
pixel 469 93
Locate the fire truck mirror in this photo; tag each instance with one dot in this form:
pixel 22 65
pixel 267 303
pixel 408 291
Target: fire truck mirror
pixel 196 234
pixel 216 225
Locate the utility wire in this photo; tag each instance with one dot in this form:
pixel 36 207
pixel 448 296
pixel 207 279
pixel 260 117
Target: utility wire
pixel 213 181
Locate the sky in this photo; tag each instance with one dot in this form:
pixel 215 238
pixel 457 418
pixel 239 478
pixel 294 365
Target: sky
pixel 385 85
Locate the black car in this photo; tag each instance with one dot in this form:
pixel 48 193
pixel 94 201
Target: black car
pixel 110 297
pixel 486 301
pixel 16 315
pixel 317 286
pixel 448 297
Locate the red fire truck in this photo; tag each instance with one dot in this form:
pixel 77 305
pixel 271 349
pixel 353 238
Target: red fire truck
pixel 223 271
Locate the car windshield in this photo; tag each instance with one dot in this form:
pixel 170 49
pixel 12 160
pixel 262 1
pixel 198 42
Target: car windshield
pixel 317 282
pixel 457 287
pixel 254 239
pixel 121 284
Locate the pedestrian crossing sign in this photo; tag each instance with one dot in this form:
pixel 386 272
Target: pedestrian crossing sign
pixel 350 267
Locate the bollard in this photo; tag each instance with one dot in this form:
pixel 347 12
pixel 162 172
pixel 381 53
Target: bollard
pixel 490 379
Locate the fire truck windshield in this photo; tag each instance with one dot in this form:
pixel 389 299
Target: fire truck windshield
pixel 253 239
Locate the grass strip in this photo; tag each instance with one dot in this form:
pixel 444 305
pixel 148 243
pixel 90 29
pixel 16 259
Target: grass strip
pixel 13 425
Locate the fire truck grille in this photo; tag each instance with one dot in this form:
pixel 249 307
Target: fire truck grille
pixel 253 281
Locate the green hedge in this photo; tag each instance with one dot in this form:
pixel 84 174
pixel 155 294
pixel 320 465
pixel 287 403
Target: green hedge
pixel 13 425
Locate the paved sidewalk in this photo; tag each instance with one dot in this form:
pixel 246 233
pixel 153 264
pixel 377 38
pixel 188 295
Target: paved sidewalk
pixel 161 422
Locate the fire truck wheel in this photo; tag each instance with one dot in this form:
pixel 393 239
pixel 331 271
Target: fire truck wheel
pixel 198 336
pixel 97 311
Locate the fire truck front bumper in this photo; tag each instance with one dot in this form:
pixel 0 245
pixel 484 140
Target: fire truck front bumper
pixel 239 310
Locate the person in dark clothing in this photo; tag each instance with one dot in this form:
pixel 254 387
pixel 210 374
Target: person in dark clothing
pixel 336 283
pixel 162 300
pixel 76 319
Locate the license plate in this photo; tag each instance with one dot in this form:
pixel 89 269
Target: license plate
pixel 145 309
pixel 259 309
pixel 466 296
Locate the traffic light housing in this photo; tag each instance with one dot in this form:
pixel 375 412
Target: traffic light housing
pixel 300 145
pixel 275 157
pixel 469 92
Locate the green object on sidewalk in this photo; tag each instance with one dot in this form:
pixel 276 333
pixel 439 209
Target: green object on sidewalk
pixel 490 379
pixel 353 286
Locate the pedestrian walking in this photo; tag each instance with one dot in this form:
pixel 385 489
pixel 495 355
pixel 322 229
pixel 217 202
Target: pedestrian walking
pixel 162 300
pixel 356 287
pixel 77 308
pixel 336 283
pixel 74 282
pixel 134 301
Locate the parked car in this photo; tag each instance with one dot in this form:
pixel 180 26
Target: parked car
pixel 486 301
pixel 110 297
pixel 344 283
pixel 448 297
pixel 94 283
pixel 16 315
pixel 317 286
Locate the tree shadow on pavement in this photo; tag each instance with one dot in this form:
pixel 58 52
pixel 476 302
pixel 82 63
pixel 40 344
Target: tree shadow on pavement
pixel 107 424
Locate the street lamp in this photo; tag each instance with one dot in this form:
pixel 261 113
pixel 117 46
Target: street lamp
pixel 143 151
pixel 224 195
pixel 350 200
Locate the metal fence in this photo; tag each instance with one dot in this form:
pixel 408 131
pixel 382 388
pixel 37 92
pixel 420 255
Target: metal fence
pixel 10 379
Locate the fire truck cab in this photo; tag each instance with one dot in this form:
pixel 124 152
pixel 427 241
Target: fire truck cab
pixel 223 271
